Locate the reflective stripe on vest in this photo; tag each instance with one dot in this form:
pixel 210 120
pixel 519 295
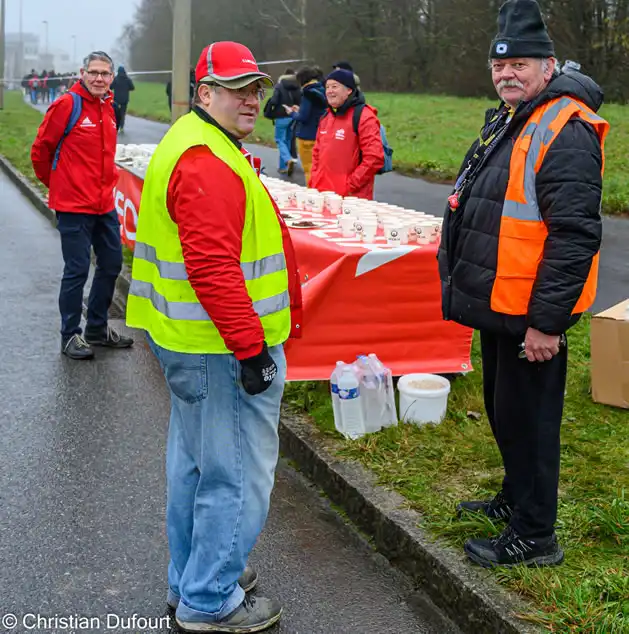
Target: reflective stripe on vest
pixel 523 231
pixel 193 311
pixel 177 270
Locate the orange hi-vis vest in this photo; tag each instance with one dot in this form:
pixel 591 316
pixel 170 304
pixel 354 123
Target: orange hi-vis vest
pixel 523 231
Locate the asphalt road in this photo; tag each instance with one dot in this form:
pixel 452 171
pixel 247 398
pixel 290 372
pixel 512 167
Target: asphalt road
pixel 82 484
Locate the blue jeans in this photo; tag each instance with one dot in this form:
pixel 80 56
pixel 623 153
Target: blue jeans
pixel 79 233
pixel 222 452
pixel 283 134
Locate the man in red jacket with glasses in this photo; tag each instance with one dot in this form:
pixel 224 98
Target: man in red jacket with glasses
pixel 76 163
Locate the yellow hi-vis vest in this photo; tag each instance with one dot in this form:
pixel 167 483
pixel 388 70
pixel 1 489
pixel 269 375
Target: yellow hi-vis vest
pixel 161 299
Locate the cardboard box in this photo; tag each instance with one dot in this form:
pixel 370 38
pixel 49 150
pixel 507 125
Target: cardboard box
pixel 609 345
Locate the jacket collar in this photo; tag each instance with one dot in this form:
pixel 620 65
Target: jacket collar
pixel 202 114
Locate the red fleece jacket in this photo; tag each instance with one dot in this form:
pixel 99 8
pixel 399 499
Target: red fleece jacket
pixel 206 199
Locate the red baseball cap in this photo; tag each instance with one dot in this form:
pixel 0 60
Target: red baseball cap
pixel 229 64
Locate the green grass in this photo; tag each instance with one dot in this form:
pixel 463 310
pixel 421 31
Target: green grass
pixel 18 127
pixel 430 134
pixel 434 467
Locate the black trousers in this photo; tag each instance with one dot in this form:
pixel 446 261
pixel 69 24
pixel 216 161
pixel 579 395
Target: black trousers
pixel 524 403
pixel 120 110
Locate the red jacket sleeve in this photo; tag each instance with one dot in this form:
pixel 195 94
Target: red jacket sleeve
pixel 48 136
pixel 206 199
pixel 372 152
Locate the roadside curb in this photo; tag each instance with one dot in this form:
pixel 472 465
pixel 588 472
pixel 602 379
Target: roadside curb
pixel 468 596
pixel 24 185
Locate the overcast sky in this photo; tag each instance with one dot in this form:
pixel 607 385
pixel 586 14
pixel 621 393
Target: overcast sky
pixel 96 23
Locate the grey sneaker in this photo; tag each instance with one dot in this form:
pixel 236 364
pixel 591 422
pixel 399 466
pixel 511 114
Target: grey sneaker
pixel 254 614
pixel 77 348
pixel 248 581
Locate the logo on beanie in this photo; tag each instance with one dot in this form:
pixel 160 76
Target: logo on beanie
pixel 501 48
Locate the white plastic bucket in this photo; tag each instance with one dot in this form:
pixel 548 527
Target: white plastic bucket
pixel 423 398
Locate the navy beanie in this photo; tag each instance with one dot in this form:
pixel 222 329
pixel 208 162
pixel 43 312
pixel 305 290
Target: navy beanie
pixel 344 77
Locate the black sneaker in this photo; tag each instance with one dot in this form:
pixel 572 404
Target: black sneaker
pixel 77 348
pixel 254 614
pixel 108 338
pixel 509 549
pixel 496 509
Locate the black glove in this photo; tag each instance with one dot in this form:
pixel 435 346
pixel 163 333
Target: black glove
pixel 257 373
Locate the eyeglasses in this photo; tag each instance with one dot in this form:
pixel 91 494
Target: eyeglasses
pixel 94 74
pixel 242 94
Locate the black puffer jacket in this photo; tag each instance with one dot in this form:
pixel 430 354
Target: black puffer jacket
pixel 569 187
pixel 287 92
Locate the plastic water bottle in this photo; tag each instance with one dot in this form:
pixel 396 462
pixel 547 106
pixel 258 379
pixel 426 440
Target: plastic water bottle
pixel 373 394
pixel 336 401
pixel 350 403
pixel 389 411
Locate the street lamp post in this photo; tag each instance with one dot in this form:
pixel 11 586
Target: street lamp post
pixel 2 16
pixel 45 22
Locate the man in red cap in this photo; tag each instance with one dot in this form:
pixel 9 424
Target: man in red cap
pixel 216 287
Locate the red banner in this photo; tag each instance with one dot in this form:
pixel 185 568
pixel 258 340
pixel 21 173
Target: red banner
pixel 358 299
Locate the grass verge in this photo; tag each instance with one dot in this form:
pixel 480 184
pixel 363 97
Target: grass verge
pixel 18 127
pixel 430 134
pixel 434 467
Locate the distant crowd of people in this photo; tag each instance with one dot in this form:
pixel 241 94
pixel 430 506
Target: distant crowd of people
pixel 46 86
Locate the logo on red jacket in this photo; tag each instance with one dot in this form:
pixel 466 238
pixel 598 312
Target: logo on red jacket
pixel 87 123
pixel 340 134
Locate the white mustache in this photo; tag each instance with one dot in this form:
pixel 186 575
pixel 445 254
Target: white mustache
pixel 510 83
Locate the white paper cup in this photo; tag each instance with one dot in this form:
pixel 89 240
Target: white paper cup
pixel 393 235
pixel 300 198
pixel 347 226
pixel 334 204
pixel 369 231
pixel 314 202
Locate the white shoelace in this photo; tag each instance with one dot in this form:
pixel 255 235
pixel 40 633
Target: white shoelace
pixel 79 342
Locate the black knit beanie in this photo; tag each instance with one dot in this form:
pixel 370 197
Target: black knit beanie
pixel 521 32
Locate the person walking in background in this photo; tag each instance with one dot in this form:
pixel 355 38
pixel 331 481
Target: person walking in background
pixel 77 165
pixel 211 245
pixel 307 115
pixel 121 87
pixel 43 87
pixel 33 86
pixel 287 93
pixel 518 261
pixel 346 157
pixel 53 85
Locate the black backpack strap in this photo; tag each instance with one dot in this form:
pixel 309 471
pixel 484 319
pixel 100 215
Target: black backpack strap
pixel 358 110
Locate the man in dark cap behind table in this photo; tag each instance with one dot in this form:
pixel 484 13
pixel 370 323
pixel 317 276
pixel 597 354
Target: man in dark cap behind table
pixel 519 262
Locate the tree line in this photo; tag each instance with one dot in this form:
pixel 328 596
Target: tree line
pixel 436 46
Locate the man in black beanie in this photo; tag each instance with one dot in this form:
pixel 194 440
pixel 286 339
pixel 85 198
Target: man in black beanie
pixel 519 261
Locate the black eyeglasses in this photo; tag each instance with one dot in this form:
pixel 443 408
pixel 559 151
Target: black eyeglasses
pixel 94 74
